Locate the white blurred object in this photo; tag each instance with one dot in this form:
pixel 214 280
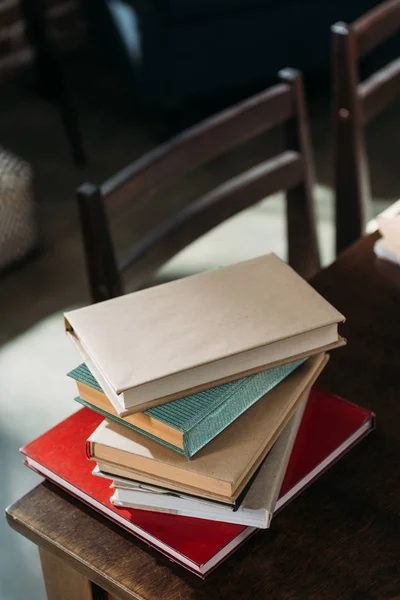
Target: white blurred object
pixel 391 211
pixel 388 246
pixel 17 222
pixel 382 252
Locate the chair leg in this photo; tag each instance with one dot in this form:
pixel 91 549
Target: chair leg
pixel 350 176
pixel 301 223
pixel 49 69
pixel 104 279
pixel 303 255
pixel 70 121
pixel 350 166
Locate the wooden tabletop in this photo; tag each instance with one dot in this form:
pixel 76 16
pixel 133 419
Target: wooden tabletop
pixel 339 539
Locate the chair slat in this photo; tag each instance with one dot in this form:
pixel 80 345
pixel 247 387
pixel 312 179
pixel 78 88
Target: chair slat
pixel 291 171
pixel 170 162
pixel 376 26
pixel 349 165
pixel 281 172
pixel 380 90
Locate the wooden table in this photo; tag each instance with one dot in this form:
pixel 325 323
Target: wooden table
pixel 339 539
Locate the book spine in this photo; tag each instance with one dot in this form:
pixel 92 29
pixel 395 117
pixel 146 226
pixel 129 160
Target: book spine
pixel 116 419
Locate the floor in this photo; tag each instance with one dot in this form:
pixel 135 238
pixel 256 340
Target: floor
pixel 34 353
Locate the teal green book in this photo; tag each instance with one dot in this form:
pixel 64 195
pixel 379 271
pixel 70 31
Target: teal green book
pixel 188 424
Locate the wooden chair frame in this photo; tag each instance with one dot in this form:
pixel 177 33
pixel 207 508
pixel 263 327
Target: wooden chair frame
pixel 291 170
pixel 354 104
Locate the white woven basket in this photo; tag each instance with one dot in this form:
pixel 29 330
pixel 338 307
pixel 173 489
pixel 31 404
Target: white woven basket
pixel 17 220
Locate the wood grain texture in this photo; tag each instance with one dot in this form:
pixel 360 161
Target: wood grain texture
pixel 354 104
pixel 338 541
pixel 62 582
pixel 292 170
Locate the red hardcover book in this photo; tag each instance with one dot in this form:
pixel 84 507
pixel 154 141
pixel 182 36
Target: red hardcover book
pixel 330 426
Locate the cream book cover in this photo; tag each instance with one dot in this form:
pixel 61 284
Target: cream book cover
pixel 178 338
pixel 221 469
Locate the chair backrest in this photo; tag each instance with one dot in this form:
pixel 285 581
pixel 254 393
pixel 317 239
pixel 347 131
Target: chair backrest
pixel 354 104
pixel 291 170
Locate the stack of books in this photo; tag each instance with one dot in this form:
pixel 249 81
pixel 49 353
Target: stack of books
pixel 200 417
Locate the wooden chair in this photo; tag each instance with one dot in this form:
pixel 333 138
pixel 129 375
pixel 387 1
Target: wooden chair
pixel 291 170
pixel 51 73
pixel 354 104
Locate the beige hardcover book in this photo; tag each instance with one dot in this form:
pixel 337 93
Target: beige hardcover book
pixel 178 338
pixel 258 505
pixel 221 469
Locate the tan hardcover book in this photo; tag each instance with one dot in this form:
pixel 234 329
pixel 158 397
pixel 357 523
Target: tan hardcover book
pixel 257 508
pixel 221 469
pixel 178 338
